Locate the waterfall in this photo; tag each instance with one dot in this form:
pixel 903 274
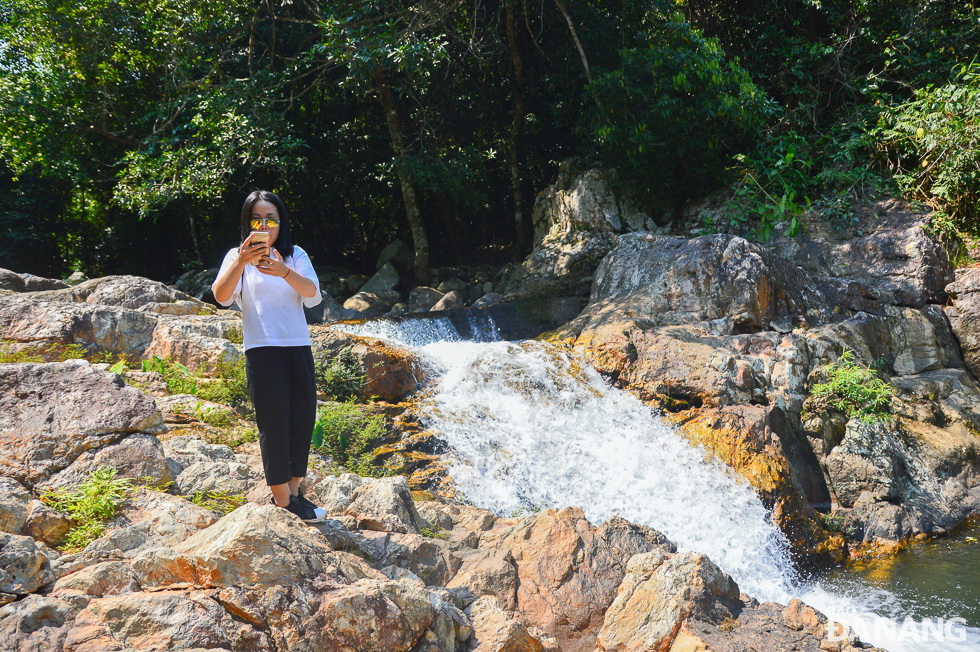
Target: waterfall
pixel 530 425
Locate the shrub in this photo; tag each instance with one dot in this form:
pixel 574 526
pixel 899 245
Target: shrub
pixel 340 377
pixel 229 387
pixel 222 502
pixel 933 144
pixel 178 377
pixel 855 390
pixel 89 506
pixel 673 110
pixel 345 432
pixel 53 352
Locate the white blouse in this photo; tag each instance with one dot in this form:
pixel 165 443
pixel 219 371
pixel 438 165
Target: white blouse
pixel 272 311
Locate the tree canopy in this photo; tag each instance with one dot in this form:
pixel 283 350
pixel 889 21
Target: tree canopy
pixel 130 130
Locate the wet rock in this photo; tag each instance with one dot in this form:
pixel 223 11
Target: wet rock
pixel 452 284
pixel 45 524
pixel 658 593
pixel 964 315
pixel 329 311
pixel 390 374
pixel 139 457
pixel 741 437
pixel 398 310
pixel 254 545
pixel 13 505
pixel 53 413
pixel 869 458
pixel 495 631
pixel 450 301
pixel 24 568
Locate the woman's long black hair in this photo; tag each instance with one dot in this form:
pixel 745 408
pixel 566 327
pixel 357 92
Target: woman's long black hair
pixel 284 243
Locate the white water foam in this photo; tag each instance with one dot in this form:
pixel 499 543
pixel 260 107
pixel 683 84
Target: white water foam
pixel 530 425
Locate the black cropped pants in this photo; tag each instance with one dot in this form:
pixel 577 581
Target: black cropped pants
pixel 282 386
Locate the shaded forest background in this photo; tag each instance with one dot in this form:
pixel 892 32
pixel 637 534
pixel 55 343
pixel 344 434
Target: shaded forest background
pixel 130 131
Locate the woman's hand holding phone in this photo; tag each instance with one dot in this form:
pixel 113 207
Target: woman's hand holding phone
pixel 255 248
pixel 273 265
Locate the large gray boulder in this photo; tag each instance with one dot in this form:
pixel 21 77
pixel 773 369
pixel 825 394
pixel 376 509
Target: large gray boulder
pixel 122 291
pixel 736 286
pixel 892 254
pixel 14 498
pixel 50 414
pixel 385 279
pixel 38 283
pixel 24 568
pixel 138 457
pixel 574 221
pixel 964 315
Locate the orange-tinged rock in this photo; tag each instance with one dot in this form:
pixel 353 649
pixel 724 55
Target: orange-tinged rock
pixel 739 437
pixel 390 373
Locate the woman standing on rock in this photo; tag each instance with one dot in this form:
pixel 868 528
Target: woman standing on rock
pixel 271 282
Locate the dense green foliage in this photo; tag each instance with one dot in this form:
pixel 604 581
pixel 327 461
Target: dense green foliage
pixel 340 377
pixel 227 385
pixel 130 131
pixel 933 141
pixel 855 390
pixel 345 432
pixel 89 506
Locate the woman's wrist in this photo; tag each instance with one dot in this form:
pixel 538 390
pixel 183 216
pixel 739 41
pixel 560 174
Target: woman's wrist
pixel 288 271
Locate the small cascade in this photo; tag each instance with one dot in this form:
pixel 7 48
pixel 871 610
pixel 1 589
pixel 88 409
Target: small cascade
pixel 533 426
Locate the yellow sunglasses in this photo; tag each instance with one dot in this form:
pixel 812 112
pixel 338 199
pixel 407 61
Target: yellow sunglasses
pixel 257 224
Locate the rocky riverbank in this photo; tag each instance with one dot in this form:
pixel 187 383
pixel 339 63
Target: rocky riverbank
pixel 727 337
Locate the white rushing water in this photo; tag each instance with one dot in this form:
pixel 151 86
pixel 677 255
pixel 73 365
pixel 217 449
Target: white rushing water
pixel 530 426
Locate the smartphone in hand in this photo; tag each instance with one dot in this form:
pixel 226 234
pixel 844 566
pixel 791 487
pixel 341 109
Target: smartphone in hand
pixel 260 237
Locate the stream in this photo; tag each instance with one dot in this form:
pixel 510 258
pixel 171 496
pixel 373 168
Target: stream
pixel 532 426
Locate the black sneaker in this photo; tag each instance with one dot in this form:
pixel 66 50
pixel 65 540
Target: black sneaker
pixel 319 511
pixel 307 514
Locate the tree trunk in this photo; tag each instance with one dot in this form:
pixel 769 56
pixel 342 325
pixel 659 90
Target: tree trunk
pixel 194 239
pixel 412 213
pixel 514 137
pixel 581 51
